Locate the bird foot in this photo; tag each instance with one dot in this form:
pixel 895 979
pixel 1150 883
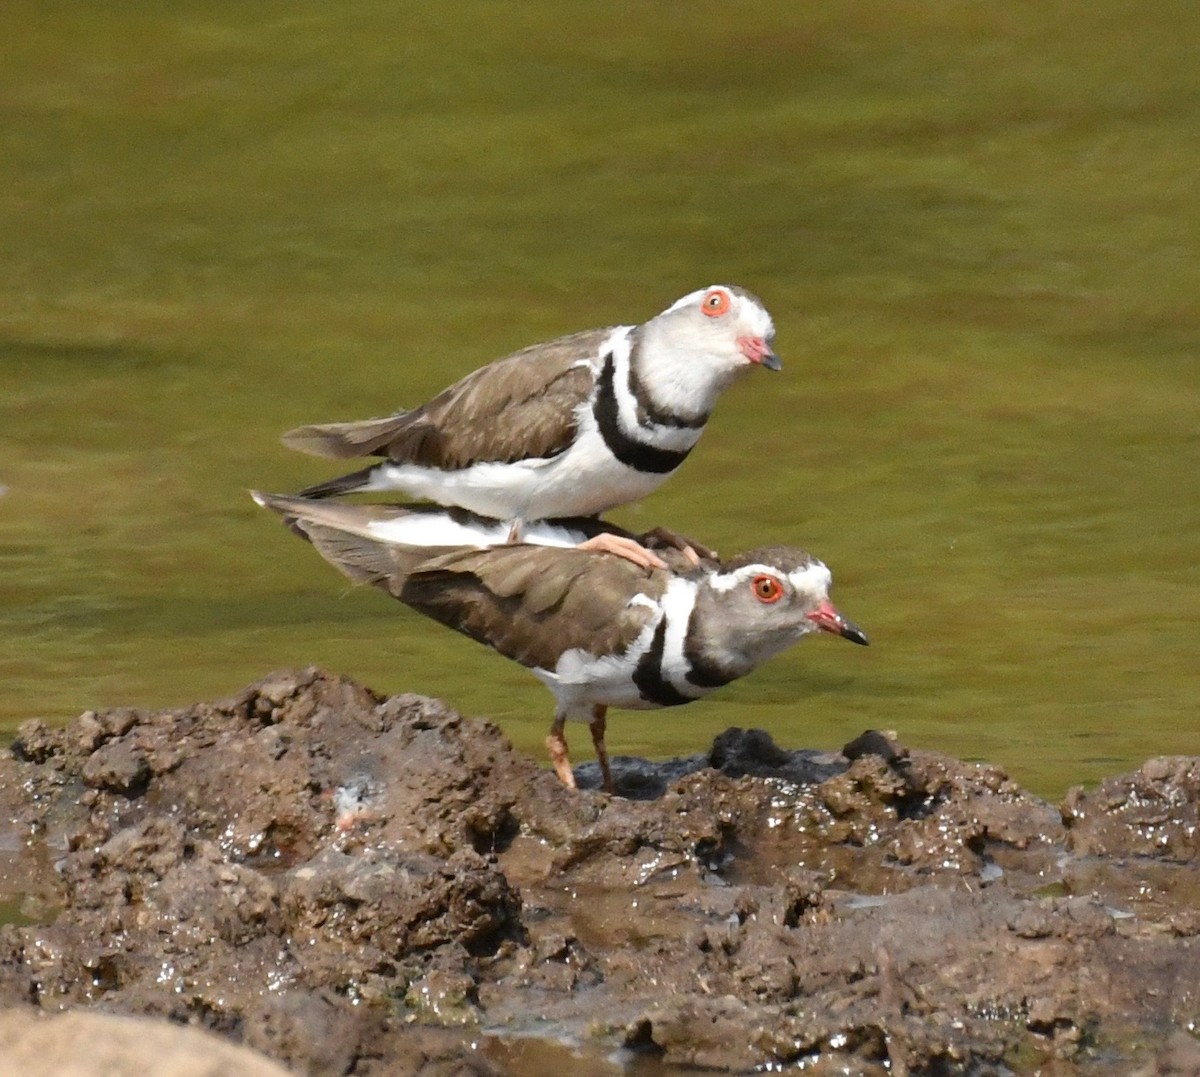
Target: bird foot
pixel 663 538
pixel 628 548
pixel 556 744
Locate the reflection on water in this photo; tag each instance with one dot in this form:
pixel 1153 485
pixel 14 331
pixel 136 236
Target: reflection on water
pixel 975 228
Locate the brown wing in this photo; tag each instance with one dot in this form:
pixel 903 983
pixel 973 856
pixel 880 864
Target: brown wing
pixel 532 603
pixel 516 408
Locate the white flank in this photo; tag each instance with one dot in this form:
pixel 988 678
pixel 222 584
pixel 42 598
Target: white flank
pixel 438 529
pixel 579 679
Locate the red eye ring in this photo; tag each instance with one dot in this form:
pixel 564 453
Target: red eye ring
pixel 715 303
pixel 767 589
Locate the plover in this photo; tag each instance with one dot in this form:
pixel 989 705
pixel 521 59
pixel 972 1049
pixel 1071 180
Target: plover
pixel 597 630
pixel 572 427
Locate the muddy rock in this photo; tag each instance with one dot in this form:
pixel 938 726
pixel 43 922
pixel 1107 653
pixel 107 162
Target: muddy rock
pixel 1153 812
pixel 353 884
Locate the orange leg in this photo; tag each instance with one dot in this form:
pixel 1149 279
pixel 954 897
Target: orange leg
pixel 556 742
pixel 598 726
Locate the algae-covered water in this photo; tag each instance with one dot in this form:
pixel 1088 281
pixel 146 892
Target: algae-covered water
pixel 976 227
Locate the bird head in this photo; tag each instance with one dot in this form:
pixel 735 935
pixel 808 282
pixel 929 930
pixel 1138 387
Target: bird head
pixel 764 601
pixel 723 324
pixel 693 350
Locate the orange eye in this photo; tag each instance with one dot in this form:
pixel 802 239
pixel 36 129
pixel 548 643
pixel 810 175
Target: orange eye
pixel 767 589
pixel 715 303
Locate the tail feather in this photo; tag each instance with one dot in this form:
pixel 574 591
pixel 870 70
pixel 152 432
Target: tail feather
pixel 344 441
pixel 333 531
pixel 363 560
pixel 343 484
pixel 356 519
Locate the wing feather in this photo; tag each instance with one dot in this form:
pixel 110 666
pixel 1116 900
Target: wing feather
pixel 535 391
pixel 532 603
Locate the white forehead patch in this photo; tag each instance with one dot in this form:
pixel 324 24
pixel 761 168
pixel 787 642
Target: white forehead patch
pixel 758 319
pixel 689 299
pixel 813 578
pixel 755 317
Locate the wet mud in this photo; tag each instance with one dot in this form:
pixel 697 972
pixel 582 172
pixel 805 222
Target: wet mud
pixel 352 884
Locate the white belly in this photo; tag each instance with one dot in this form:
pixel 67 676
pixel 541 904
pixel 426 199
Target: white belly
pixel 580 680
pixel 607 680
pixel 436 528
pixel 584 480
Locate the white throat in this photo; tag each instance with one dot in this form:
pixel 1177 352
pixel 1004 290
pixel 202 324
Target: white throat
pixel 679 372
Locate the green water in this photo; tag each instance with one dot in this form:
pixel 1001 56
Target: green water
pixel 976 225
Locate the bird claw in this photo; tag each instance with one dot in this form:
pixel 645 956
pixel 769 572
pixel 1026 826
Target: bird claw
pixel 663 538
pixel 628 548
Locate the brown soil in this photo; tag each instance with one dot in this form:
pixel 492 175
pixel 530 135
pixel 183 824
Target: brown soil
pixel 359 885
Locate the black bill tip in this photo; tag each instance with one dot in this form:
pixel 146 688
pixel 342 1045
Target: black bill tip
pixel 853 633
